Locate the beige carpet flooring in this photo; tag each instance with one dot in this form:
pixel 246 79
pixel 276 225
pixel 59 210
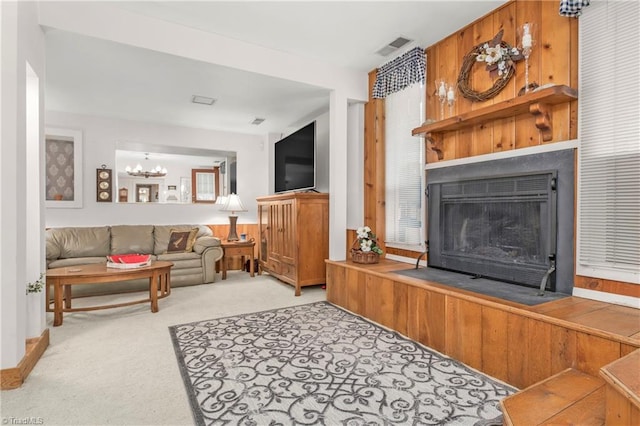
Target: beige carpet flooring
pixel 118 366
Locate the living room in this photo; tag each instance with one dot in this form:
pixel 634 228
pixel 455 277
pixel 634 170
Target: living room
pixel 343 123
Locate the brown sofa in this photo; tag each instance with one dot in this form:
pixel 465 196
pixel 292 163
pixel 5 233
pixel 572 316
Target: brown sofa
pixel 71 246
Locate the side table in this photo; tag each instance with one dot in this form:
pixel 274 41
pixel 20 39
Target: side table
pixel 238 248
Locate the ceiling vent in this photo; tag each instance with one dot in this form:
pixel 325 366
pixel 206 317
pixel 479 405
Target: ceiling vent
pixel 257 121
pixel 393 46
pixel 204 100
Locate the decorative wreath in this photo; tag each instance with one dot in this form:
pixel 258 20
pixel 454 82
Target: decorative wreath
pixel 500 58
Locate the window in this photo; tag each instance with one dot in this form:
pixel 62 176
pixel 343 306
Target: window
pixel 404 168
pixel 609 154
pixel 205 185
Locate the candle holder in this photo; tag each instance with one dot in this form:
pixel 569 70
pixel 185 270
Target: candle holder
pixel 451 98
pixel 441 93
pixel 526 46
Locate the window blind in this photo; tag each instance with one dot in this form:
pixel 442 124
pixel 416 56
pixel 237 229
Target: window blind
pixel 404 168
pixel 608 242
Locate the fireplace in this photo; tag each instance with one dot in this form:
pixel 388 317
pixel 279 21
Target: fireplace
pixel 509 220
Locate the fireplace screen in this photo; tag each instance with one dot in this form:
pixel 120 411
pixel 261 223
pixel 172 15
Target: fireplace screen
pixel 502 228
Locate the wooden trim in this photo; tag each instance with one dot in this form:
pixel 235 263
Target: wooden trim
pixel 607 286
pixel 623 390
pixel 569 397
pixel 411 254
pixel 374 158
pixel 519 344
pixel 12 378
pixel 380 224
pixel 627 385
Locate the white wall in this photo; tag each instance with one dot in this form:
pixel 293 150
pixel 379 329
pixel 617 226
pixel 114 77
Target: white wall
pixel 21 41
pixel 100 135
pixel 355 170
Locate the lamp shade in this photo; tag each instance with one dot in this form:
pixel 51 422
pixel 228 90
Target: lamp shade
pixel 221 200
pixel 233 204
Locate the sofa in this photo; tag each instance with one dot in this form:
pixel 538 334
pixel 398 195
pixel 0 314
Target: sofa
pixel 193 264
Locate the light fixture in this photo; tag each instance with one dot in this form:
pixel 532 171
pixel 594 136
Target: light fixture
pixel 138 172
pixel 233 205
pixel 204 100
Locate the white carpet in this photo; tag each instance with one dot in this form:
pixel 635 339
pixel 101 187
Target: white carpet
pixel 118 366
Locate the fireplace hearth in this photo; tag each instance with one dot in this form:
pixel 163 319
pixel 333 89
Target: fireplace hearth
pixel 509 220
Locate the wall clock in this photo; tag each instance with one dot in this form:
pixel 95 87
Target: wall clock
pixel 103 185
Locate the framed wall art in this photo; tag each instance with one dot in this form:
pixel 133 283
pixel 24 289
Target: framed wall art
pixel 104 190
pixel 63 168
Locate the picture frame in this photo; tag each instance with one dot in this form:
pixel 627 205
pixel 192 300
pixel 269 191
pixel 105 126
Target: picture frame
pixel 63 168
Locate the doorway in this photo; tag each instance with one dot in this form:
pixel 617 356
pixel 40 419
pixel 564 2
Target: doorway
pixel 147 193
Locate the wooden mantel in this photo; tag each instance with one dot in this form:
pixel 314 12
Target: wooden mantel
pixel 537 103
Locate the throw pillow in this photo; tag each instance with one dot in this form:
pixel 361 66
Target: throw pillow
pixel 181 241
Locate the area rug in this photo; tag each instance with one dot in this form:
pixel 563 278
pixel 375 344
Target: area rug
pixel 318 364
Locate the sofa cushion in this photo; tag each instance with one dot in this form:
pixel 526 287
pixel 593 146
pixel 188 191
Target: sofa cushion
pixel 62 263
pixel 203 243
pixel 182 260
pixel 161 234
pixel 80 242
pixel 132 239
pixel 181 241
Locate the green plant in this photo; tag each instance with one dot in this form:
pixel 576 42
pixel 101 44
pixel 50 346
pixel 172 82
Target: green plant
pixel 36 286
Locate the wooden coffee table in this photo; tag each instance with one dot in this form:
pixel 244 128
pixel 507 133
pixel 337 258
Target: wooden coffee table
pixel 63 278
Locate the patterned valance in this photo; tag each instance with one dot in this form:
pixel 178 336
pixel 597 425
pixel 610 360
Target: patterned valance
pixel 399 73
pixel 572 8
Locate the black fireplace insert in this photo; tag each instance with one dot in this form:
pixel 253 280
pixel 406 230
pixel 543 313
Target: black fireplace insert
pixel 501 219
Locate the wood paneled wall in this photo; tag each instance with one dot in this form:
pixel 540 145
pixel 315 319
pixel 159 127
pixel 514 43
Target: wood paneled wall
pixel 518 346
pixel 553 60
pixel 221 231
pixel 374 157
pixel 251 229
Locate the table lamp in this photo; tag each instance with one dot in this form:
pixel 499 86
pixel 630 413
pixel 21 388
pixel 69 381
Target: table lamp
pixel 233 205
pixel 221 201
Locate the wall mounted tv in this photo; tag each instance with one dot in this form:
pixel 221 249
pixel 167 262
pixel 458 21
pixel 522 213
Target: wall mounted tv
pixel 295 160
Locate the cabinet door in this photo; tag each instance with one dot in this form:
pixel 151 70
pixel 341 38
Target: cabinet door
pixel 264 223
pixel 274 231
pixel 288 224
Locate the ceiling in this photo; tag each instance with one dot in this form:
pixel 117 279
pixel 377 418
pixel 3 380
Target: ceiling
pixel 99 77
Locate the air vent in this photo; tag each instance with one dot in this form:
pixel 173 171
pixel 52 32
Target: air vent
pixel 393 46
pixel 257 121
pixel 204 100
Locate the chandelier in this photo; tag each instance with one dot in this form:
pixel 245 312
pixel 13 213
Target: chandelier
pixel 138 172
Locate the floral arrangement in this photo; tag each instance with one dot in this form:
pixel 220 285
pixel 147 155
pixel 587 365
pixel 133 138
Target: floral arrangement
pixel 37 285
pixel 367 240
pixel 499 56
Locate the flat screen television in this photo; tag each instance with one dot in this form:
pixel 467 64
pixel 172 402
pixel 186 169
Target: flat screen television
pixel 295 160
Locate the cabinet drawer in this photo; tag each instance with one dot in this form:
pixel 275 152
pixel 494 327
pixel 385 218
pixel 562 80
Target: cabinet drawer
pixel 288 270
pixel 273 266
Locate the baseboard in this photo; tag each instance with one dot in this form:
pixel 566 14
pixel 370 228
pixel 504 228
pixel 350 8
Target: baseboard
pixel 12 378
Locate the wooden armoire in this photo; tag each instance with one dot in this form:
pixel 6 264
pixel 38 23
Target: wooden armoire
pixel 294 237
